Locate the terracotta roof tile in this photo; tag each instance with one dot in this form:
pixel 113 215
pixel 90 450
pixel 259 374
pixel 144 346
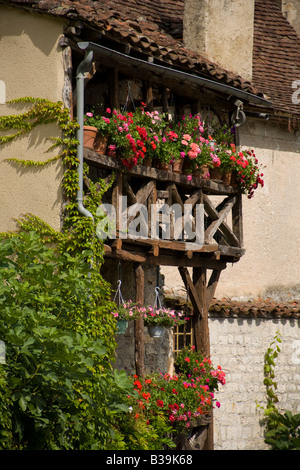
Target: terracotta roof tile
pixel 154 27
pixel 276 59
pixel 149 26
pixel 266 308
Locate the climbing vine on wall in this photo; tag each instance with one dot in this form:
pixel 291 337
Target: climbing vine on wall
pixel 78 232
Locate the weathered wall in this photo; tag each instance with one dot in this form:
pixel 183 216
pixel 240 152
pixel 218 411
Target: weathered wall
pixel 271 219
pixel 158 352
pixel 239 345
pixel 225 39
pixel 31 65
pixel 271 265
pixel 291 10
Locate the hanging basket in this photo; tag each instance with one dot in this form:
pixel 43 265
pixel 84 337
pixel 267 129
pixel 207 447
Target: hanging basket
pixel 122 326
pixel 156 331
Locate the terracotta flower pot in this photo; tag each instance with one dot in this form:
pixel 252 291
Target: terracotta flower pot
pixel 147 161
pixel 177 166
pixel 100 144
pixel 216 174
pixel 164 166
pixel 89 136
pixel 186 167
pixel 233 180
pixel 226 177
pixel 202 172
pixel 93 140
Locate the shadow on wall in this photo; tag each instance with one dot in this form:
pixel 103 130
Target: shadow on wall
pixel 31 26
pixel 282 293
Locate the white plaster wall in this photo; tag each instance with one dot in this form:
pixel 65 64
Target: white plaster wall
pixel 31 65
pixel 271 219
pixel 271 265
pixel 238 346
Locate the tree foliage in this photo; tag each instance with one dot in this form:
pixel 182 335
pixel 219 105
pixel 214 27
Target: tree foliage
pixel 58 387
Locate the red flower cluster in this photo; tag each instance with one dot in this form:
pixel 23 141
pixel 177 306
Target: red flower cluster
pixel 182 398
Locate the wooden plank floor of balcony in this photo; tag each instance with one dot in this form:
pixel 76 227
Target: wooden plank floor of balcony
pixel 172 253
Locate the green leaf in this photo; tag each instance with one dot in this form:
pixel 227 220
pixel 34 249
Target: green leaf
pixel 23 403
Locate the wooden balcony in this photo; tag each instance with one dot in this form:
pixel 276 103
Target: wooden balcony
pixel 222 205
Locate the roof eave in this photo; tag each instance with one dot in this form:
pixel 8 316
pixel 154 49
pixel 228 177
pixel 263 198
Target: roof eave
pixel 161 73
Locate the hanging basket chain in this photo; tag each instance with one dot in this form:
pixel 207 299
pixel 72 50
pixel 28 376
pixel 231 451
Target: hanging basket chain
pixel 118 299
pixel 157 303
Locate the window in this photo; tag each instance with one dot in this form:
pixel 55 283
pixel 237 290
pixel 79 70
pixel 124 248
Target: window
pixel 183 336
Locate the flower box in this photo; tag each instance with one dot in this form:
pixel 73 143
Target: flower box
pixel 185 145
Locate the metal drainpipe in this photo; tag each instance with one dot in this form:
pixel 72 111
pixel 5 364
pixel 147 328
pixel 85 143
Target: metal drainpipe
pixel 81 70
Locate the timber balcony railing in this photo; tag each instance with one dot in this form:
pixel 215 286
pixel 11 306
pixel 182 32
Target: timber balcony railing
pixel 162 218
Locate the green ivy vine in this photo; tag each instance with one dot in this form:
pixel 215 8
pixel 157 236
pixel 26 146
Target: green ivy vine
pixel 282 428
pixel 78 232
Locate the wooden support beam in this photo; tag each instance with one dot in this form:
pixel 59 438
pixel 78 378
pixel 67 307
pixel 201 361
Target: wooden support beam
pixel 237 220
pixel 116 193
pixel 214 215
pixel 141 197
pixel 113 82
pixel 193 294
pixel 124 255
pixel 211 286
pixel 219 220
pixel 149 96
pixel 200 324
pixel 128 191
pixel 179 259
pixel 200 317
pixel 139 323
pixel 164 96
pixel 195 197
pixel 176 196
pixel 152 215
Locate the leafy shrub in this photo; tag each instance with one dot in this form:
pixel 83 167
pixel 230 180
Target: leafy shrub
pixel 58 390
pixel 285 435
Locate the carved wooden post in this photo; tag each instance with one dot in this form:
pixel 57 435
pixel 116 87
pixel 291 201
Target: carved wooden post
pixel 201 333
pixel 200 319
pixel 149 96
pixel 237 220
pixel 114 88
pixel 139 322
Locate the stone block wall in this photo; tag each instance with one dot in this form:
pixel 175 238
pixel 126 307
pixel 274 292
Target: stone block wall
pixel 239 337
pixel 158 352
pixel 239 344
